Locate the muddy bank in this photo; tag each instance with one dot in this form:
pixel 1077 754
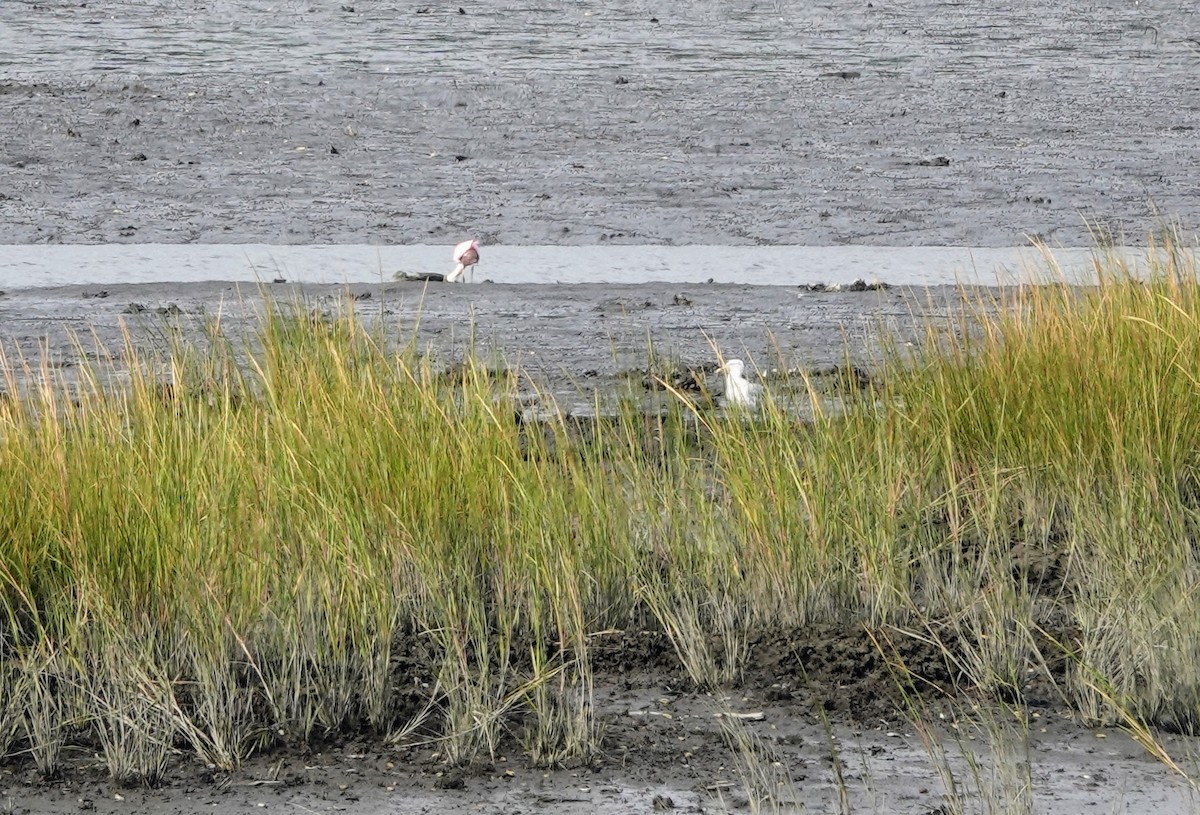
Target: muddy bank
pixel 573 341
pixel 924 123
pixel 665 749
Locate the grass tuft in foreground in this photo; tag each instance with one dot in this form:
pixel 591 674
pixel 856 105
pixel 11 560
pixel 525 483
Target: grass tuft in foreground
pixel 241 544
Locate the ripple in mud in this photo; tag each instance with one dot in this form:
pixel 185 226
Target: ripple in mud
pixel 248 96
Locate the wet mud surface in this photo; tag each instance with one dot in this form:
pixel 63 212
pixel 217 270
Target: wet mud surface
pixel 923 123
pixel 824 705
pixel 820 706
pixel 573 342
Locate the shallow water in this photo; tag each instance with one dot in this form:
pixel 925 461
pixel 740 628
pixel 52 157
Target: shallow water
pixel 35 266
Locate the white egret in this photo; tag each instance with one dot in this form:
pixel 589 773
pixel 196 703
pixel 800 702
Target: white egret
pixel 739 391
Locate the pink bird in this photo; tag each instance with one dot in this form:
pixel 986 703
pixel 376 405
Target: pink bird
pixel 466 255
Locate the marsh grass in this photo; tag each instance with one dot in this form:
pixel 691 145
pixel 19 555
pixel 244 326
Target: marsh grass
pixel 225 545
pixel 762 771
pixel 982 759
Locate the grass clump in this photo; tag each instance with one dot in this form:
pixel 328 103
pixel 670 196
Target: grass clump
pixel 321 528
pixel 1065 432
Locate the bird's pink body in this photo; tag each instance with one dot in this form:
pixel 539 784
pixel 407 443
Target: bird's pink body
pixel 466 254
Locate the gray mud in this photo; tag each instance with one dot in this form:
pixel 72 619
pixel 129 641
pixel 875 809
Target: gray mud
pixel 666 754
pixel 574 342
pixel 885 123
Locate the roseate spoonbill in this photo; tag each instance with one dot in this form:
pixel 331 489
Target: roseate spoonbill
pixel 466 255
pixel 739 391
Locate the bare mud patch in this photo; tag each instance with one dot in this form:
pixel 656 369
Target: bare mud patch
pixel 924 124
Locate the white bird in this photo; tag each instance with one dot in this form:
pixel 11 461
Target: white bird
pixel 466 255
pixel 739 391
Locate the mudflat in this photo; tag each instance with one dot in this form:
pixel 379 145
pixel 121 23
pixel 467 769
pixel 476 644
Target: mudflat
pixel 922 123
pixel 666 753
pixel 572 340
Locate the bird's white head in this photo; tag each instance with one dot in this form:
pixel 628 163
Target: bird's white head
pixel 733 367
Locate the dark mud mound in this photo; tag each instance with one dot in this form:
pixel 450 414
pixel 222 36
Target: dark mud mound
pixel 847 672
